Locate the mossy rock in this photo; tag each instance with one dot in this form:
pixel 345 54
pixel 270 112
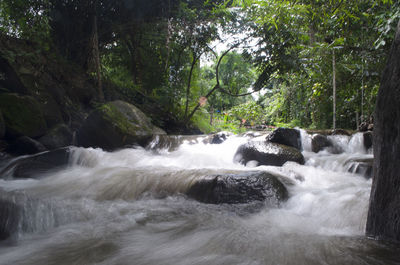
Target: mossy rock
pixel 22 116
pixel 115 125
pixel 2 126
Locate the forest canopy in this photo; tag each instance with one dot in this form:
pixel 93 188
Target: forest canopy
pixel 309 63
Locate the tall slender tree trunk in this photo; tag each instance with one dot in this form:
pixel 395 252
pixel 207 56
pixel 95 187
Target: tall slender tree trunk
pixel 334 87
pixel 189 84
pixel 95 54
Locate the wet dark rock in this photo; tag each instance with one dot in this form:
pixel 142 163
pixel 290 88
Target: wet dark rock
pixel 341 132
pixel 25 145
pixel 383 220
pixel 368 139
pixel 239 188
pixel 2 126
pixel 114 125
pixel 285 136
pixel 22 115
pixel 319 142
pixel 35 166
pixel 361 166
pixel 59 136
pixel 217 138
pixel 266 153
pixel 9 218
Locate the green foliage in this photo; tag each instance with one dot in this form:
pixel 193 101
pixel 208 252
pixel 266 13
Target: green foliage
pixel 249 111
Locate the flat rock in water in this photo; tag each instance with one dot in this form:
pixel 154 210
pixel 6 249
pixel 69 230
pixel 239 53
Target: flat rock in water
pixel 239 188
pixel 269 154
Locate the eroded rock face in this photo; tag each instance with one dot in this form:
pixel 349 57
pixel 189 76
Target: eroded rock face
pixel 384 210
pixel 269 154
pixel 361 166
pixel 115 125
pixel 286 136
pixel 239 188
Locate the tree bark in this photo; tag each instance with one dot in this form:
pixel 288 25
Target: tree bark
pixel 384 209
pixel 334 87
pixel 95 54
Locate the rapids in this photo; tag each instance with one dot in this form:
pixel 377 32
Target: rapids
pixel 127 207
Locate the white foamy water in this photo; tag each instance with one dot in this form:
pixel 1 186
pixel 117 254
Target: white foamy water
pixel 128 207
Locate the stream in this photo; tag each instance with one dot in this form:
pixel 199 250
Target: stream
pixel 128 207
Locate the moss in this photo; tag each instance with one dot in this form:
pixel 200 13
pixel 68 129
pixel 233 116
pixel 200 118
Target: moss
pixel 119 120
pixel 22 115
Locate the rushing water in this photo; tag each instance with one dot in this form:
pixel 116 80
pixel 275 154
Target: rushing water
pixel 128 207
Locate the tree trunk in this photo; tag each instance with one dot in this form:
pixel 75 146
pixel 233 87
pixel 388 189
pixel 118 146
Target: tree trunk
pixel 384 209
pixel 334 87
pixel 95 54
pixel 189 84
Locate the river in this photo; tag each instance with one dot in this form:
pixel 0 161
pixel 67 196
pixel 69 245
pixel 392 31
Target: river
pixel 127 207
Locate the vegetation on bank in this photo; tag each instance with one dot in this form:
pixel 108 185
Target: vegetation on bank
pixel 310 63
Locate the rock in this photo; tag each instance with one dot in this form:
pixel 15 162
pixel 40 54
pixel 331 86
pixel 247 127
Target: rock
pixel 383 220
pixel 285 136
pixel 115 125
pixel 266 153
pixel 9 218
pixel 239 188
pixel 217 138
pixel 341 132
pixel 360 166
pixel 25 145
pixel 36 165
pixel 363 127
pixel 368 139
pixel 22 116
pixel 319 142
pixel 2 126
pixel 59 136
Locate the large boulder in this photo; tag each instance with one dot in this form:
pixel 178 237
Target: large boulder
pixel 319 142
pixel 285 136
pixel 22 116
pixel 266 153
pixel 35 166
pixel 383 220
pixel 239 188
pixel 57 137
pixel 115 125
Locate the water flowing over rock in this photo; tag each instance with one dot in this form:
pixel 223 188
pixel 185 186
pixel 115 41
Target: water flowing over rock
pixel 286 136
pixel 9 218
pixel 361 166
pixel 239 188
pixel 265 153
pixel 114 125
pixel 36 165
pixel 384 210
